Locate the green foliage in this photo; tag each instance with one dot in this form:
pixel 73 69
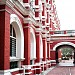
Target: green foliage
pixel 66 52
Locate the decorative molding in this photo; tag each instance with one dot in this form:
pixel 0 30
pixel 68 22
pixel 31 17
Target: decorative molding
pixel 26 4
pixel 33 44
pixel 43 17
pixel 37 18
pixel 15 21
pixel 5 10
pixel 8 72
pixel 63 43
pixel 17 4
pixel 38 29
pixel 48 39
pixel 36 6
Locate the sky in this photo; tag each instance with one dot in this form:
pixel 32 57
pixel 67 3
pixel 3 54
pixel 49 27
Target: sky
pixel 66 13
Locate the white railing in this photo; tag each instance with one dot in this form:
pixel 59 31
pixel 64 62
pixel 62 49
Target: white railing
pixel 63 32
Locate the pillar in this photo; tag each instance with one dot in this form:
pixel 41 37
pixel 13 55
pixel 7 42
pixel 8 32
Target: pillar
pixel 37 47
pixel 38 66
pixel 48 50
pixel 44 49
pixel 26 62
pixel 48 54
pixel 53 57
pixel 27 44
pixel 44 52
pixel 4 40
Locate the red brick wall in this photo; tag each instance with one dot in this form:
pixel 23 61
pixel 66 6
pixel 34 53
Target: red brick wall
pixel 52 53
pixel 59 54
pixel 4 39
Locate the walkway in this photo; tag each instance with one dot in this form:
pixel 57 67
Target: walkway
pixel 65 67
pixel 66 63
pixel 60 70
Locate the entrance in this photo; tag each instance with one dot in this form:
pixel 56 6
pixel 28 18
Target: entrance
pixel 65 55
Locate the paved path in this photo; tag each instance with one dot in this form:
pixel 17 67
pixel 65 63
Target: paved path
pixel 66 63
pixel 65 67
pixel 62 70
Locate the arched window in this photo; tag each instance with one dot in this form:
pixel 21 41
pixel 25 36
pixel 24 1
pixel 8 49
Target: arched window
pixel 16 42
pixel 13 64
pixel 12 42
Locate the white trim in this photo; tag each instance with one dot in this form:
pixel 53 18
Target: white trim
pixel 37 18
pixel 36 6
pixel 53 61
pixel 63 43
pixel 63 35
pixel 18 5
pixel 15 69
pixel 27 67
pixel 15 21
pixel 4 72
pixel 38 30
pixel 28 73
pixel 37 68
pixel 47 24
pixel 33 44
pixel 41 47
pixel 16 59
pixel 26 4
pixel 8 72
pixel 4 10
pixel 43 17
pixel 37 10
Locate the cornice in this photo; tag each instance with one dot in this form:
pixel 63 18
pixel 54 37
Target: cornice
pixel 16 4
pixel 48 39
pixel 32 20
pixel 38 29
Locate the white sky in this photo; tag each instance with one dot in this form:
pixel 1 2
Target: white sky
pixel 66 13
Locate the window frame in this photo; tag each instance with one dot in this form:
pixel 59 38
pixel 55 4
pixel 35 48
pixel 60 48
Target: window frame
pixel 12 41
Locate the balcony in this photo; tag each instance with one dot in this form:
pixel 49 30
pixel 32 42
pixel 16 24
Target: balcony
pixel 63 33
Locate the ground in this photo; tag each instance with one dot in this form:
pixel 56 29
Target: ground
pixel 64 68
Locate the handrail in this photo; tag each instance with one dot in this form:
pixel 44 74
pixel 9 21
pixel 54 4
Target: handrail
pixel 64 32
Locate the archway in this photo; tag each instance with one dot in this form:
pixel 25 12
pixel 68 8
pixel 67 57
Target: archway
pixel 16 43
pixel 32 46
pixel 66 52
pixel 61 45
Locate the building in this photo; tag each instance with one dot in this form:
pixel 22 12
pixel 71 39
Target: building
pixel 25 29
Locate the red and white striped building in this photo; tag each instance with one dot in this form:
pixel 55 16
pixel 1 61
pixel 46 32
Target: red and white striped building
pixel 25 32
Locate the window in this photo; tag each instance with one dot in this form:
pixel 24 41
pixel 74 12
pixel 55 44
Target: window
pixel 12 42
pixel 13 64
pixel 31 62
pixel 16 42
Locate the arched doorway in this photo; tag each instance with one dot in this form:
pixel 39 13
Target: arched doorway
pixel 67 53
pixel 61 45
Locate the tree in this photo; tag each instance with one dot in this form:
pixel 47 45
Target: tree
pixel 66 52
